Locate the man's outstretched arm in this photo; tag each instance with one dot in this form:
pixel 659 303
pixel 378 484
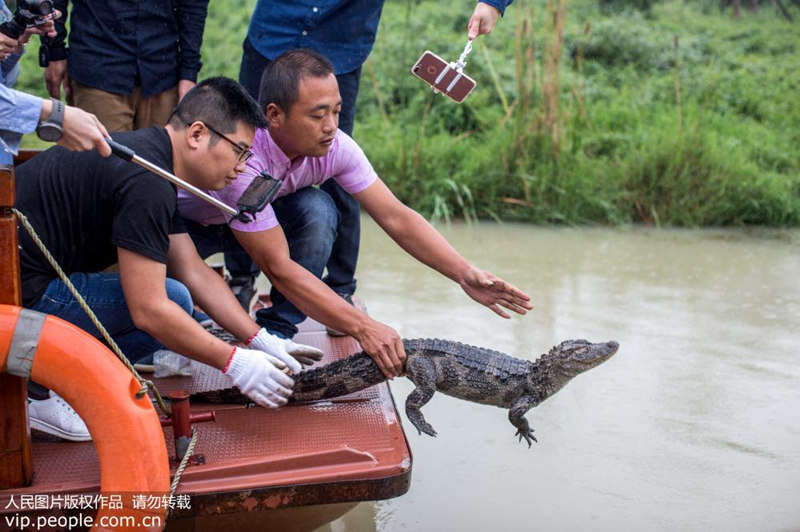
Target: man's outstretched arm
pixel 144 285
pixel 271 252
pixel 208 289
pixel 20 113
pixel 256 373
pixel 419 239
pixel 211 292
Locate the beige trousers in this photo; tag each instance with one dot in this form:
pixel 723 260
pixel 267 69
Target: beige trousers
pixel 125 112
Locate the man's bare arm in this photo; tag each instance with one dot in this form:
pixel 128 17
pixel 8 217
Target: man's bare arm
pixel 144 285
pixel 208 288
pixel 256 373
pixel 423 242
pixel 271 252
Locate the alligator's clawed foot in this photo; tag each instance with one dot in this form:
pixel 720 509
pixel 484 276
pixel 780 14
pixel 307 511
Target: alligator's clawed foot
pixel 527 435
pixel 422 426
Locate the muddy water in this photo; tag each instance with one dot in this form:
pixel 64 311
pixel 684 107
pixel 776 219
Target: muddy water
pixel 693 425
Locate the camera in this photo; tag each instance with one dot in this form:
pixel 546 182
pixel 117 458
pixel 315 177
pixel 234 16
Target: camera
pixel 29 13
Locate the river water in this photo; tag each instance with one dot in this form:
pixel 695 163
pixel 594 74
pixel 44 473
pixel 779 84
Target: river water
pixel 693 425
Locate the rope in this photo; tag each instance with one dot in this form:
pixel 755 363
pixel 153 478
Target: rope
pixel 178 472
pixel 146 385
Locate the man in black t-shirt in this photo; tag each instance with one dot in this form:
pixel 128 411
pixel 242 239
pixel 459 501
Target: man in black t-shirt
pixel 94 212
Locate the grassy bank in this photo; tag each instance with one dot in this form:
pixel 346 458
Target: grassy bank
pixel 677 115
pixel 681 116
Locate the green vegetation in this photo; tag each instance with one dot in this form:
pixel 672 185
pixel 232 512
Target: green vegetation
pixel 586 116
pixel 677 114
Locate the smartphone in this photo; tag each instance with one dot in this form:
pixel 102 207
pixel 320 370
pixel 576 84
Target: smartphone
pixel 437 73
pixel 257 196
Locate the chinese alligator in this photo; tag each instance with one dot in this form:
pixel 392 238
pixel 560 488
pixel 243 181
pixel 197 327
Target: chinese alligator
pixel 466 372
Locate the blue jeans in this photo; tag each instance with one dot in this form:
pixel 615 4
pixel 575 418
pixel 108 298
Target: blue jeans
pixel 103 293
pixel 309 219
pixel 210 239
pixel 344 253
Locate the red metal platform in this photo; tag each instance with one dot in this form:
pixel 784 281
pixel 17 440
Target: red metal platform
pixel 293 468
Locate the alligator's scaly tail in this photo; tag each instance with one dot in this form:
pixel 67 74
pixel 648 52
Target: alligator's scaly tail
pixel 342 377
pixel 359 371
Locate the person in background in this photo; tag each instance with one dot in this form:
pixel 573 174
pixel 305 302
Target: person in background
pixel 129 62
pixel 293 237
pixel 22 113
pixel 344 31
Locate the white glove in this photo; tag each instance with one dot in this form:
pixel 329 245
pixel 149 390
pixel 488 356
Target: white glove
pixel 285 350
pixel 259 376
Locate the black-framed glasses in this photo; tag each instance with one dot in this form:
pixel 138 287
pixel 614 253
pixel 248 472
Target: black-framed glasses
pixel 244 154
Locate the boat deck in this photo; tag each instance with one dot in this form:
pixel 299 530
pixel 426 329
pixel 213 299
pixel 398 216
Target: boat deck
pixel 257 461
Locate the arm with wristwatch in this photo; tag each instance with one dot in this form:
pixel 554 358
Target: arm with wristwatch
pixel 71 127
pixel 22 113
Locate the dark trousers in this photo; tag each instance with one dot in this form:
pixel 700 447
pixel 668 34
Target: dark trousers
pixel 103 293
pixel 341 265
pixel 309 219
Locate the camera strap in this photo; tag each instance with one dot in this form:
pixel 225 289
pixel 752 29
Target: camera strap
pixel 44 51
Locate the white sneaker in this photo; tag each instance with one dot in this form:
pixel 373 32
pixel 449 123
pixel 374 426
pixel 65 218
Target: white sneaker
pixel 54 416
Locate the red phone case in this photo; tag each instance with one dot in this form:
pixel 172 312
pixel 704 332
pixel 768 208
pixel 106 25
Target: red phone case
pixel 436 72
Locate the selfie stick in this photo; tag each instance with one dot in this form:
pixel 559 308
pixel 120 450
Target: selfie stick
pixel 127 154
pixel 458 66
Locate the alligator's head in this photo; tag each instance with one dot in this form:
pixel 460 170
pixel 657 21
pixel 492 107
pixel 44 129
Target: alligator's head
pixel 570 358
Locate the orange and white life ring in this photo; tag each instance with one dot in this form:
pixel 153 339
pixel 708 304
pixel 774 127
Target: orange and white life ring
pixel 126 430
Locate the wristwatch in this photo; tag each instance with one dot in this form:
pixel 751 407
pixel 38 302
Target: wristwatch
pixel 52 128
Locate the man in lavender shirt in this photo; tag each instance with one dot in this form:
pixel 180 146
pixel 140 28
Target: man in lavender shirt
pixel 291 239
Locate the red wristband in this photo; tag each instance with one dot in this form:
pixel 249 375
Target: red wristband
pixel 252 337
pixel 225 369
